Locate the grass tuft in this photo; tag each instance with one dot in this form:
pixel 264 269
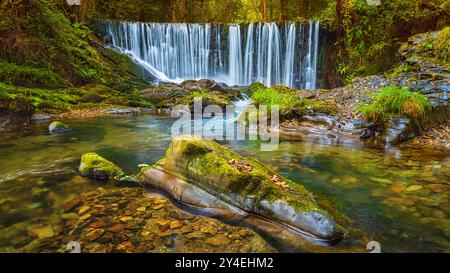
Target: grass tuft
pixel 392 101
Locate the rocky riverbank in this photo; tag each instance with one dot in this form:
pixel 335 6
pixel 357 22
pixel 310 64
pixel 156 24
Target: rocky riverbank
pixel 417 71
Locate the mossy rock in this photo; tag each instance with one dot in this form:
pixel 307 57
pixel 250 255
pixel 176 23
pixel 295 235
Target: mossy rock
pixel 94 166
pixel 57 127
pixel 246 184
pixel 208 98
pixel 254 87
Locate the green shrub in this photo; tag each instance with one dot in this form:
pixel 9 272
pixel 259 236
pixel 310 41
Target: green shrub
pixel 207 98
pixel 288 101
pixel 442 46
pixel 392 101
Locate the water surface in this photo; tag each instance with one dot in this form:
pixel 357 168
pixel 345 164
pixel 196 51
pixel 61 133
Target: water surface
pixel 399 197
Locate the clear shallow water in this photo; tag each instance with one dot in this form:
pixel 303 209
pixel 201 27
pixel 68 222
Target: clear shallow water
pixel 399 197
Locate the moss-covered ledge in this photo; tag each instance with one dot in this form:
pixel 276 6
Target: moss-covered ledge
pixel 243 183
pixel 94 166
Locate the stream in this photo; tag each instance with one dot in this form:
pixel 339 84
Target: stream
pixel 397 196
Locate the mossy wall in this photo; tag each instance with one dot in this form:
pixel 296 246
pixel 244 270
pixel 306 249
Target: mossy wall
pixel 48 61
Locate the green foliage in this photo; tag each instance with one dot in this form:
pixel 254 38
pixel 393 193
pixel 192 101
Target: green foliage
pixel 49 64
pixel 28 76
pixel 372 34
pixel 442 46
pixel 38 35
pixel 93 165
pixel 435 47
pixel 41 48
pixel 392 101
pixel 398 70
pixel 29 100
pixel 290 103
pixel 207 98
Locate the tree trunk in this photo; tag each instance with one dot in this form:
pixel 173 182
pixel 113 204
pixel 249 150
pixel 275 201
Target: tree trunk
pixel 271 11
pixel 172 7
pixel 339 19
pixel 284 10
pixel 264 10
pixel 183 11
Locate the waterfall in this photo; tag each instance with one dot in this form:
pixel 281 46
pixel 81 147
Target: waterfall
pixel 289 56
pixel 234 54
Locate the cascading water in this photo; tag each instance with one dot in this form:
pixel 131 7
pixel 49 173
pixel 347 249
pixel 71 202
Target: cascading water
pixel 234 54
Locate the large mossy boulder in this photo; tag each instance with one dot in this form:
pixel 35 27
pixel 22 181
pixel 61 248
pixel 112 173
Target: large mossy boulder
pixel 242 183
pixel 94 166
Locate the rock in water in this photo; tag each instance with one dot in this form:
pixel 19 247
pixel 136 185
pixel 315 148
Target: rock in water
pixel 57 127
pixel 94 166
pixel 205 174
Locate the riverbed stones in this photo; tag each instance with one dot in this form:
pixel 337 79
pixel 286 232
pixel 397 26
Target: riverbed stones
pixel 71 204
pixel 83 209
pixel 57 127
pixel 97 224
pixel 85 216
pixel 163 225
pixel 414 188
pixel 126 219
pixel 209 230
pixel 94 234
pixel 126 247
pixel 439 187
pixel 106 233
pixel 186 229
pixel 176 224
pixel 218 240
pixel 116 228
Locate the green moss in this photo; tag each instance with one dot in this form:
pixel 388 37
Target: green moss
pixel 372 34
pixel 435 47
pixel 254 87
pixel 29 76
pixel 392 101
pixel 29 100
pixel 399 70
pixel 442 46
pixel 93 165
pixel 290 103
pixel 209 162
pixel 207 99
pixel 57 127
pixel 321 107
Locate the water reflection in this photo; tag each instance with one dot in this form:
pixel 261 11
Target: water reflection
pixel 400 197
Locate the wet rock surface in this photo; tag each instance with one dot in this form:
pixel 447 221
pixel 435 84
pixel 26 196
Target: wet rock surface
pixel 94 166
pixel 205 174
pixel 166 95
pixel 133 220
